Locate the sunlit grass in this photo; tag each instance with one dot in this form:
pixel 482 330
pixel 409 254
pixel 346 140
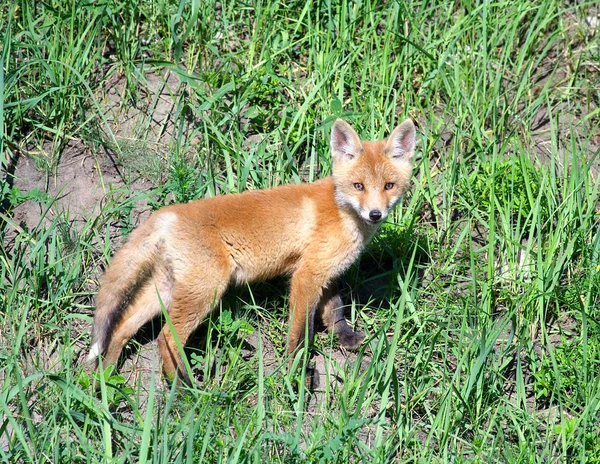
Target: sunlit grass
pixel 479 299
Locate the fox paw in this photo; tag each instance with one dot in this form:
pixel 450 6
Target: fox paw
pixel 351 340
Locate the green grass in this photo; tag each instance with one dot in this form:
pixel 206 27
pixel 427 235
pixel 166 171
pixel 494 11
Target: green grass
pixel 480 298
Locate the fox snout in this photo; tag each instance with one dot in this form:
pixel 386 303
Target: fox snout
pixel 375 215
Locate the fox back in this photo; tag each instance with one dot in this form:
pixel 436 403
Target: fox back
pixel 184 257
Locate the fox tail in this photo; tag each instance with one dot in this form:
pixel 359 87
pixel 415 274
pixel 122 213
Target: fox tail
pixel 130 269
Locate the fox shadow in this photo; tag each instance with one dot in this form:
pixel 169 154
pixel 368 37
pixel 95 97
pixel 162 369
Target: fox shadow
pixel 394 255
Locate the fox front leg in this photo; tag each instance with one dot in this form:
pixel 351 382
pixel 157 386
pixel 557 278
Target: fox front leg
pixel 306 290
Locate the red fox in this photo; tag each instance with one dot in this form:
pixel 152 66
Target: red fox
pixel 189 254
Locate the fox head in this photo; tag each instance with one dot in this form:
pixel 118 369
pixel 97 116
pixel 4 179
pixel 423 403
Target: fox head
pixel 371 177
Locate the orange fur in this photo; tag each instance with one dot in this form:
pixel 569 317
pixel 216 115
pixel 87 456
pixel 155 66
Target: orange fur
pixel 191 253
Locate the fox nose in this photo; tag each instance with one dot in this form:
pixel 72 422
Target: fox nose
pixel 375 215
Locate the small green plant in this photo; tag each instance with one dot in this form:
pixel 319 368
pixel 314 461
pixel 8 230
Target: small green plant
pixel 512 184
pixel 118 392
pixel 13 196
pixel 560 375
pixel 184 181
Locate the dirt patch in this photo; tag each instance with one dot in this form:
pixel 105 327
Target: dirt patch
pixel 83 176
pixel 150 121
pixel 79 184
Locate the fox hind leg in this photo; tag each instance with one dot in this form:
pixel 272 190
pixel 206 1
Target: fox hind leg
pixel 189 308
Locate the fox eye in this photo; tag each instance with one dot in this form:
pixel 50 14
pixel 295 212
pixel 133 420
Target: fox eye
pixel 389 186
pixel 358 186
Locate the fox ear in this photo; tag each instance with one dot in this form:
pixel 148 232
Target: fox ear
pixel 401 144
pixel 345 142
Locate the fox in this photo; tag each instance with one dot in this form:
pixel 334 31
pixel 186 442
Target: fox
pixel 184 257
